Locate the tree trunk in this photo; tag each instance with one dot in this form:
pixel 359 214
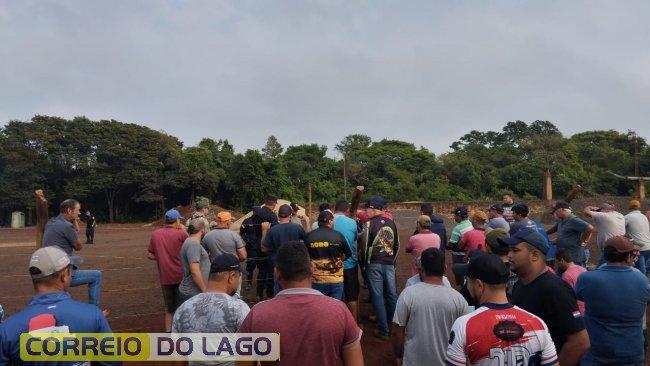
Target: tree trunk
pixel 548 186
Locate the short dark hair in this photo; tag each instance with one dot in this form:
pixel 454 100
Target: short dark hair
pixel 433 262
pixel 520 209
pixel 270 199
pixel 292 261
pixel 323 206
pixel 68 205
pixel 44 280
pixel 426 208
pixel 564 254
pixel 342 206
pixel 612 255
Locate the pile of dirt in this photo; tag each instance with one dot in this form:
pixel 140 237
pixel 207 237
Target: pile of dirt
pixel 187 211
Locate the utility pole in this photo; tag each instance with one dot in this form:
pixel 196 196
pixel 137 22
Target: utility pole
pixel 632 136
pixel 309 200
pixel 345 180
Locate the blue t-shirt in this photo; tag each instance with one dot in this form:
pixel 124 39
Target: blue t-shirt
pixel 281 234
pixel 347 227
pixel 615 301
pixel 61 233
pixel 77 316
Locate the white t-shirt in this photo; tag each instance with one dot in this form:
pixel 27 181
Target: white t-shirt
pixel 428 312
pixel 608 224
pixel 416 279
pixel 638 229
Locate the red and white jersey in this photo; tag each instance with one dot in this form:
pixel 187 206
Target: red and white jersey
pixel 500 334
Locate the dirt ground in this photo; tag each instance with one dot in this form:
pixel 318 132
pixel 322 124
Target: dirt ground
pixel 131 289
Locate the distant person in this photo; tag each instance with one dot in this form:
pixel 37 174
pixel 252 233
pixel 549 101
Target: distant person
pixel 521 220
pixel 463 225
pixel 424 239
pixel 202 210
pixel 496 220
pixel 61 232
pixel 252 253
pixel 507 205
pixel 570 272
pixel 215 310
pixel 263 219
pixel 195 261
pixel 638 230
pixel 299 218
pixel 474 239
pixel 497 333
pixel 51 307
pixel 222 240
pixel 608 223
pixel 546 295
pixel 165 248
pixel 322 207
pixel 315 329
pixel 348 228
pixel 90 228
pixel 437 224
pixel 573 233
pixel 425 313
pixel 379 245
pixel 616 297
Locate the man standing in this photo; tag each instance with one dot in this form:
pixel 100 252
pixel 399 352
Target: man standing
pixel 508 203
pixel 608 223
pixel 495 214
pixel 497 333
pixel 348 228
pixel 546 295
pixel 315 329
pixel 616 297
pixel 215 310
pixel 424 239
pixel 572 232
pixel 437 225
pixel 520 215
pixel 463 225
pixel 380 245
pixel 638 230
pixel 327 249
pixel 570 272
pixel 90 228
pixel 51 307
pixel 425 313
pixel 61 232
pixel 202 211
pixel 222 240
pixel 262 220
pixel 165 247
pixel 298 218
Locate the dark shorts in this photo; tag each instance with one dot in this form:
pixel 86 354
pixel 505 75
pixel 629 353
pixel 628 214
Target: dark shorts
pixel 171 297
pixel 351 284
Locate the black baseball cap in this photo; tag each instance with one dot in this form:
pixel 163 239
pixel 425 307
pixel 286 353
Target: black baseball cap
pixel 561 204
pixel 461 211
pixel 376 202
pixel 325 216
pixel 225 263
pixel 488 268
pixel 496 207
pixel 527 235
pixel 285 211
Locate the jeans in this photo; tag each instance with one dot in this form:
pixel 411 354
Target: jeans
pixel 334 290
pixel 383 292
pixel 643 264
pixel 90 277
pixel 90 235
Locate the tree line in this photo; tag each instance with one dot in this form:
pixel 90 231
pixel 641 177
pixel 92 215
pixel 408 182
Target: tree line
pixel 126 172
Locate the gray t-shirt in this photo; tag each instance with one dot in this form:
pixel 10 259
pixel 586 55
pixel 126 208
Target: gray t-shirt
pixel 428 312
pixel 210 312
pixel 498 222
pixel 193 252
pixel 221 241
pixel 637 229
pixel 608 224
pixel 60 232
pixel 569 231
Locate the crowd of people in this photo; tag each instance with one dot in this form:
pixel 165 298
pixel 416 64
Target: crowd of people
pixel 522 293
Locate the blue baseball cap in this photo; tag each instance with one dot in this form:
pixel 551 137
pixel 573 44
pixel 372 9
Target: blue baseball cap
pixel 527 235
pixel 376 202
pixel 172 215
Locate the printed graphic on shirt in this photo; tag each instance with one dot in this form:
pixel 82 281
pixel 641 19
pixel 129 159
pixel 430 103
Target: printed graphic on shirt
pixel 384 240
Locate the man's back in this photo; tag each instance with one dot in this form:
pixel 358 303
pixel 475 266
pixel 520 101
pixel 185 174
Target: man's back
pixel 428 312
pixel 608 224
pixel 166 243
pixel 327 250
pixel 348 228
pixel 222 241
pixel 282 234
pixel 523 223
pixel 314 328
pixel 498 222
pixel 638 229
pixel 382 240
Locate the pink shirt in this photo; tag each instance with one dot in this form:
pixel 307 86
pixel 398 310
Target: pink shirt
pixel 472 240
pixel 570 276
pixel 418 243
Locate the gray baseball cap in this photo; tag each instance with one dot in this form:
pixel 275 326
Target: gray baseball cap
pixel 47 261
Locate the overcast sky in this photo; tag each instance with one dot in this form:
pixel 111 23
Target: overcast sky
pixel 315 71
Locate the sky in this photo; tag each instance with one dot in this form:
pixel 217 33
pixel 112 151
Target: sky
pixel 426 72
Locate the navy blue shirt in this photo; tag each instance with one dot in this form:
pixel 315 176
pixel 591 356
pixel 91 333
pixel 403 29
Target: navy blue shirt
pixel 615 300
pixel 282 234
pixel 78 317
pixel 61 233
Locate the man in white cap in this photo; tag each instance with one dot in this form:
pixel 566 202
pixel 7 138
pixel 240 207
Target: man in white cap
pixel 51 308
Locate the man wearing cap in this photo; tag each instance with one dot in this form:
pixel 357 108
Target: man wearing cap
pixel 202 206
pixel 520 214
pixel 463 225
pixel 608 223
pixel 424 239
pixel 437 224
pixel 51 307
pixel 425 313
pixel 349 229
pixel 327 249
pixel 496 220
pixel 546 295
pixel 282 233
pixel 497 333
pixel 638 230
pixel 379 245
pixel 222 240
pixel 298 218
pixel 215 310
pixel 615 297
pixel 315 329
pixel 573 233
pixel 475 238
pixel 165 247
pixel 61 232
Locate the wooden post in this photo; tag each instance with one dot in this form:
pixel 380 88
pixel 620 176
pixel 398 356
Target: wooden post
pixel 41 216
pixel 548 186
pixel 640 189
pixel 309 200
